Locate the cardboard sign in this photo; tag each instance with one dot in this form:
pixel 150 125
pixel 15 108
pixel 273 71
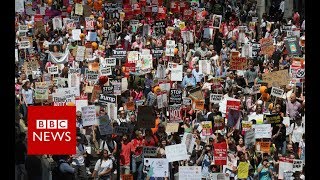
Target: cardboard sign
pixel 206 128
pixel 146 117
pixel 220 153
pixel 175 113
pixel 104 99
pixel 267 46
pixel 238 63
pixel 243 170
pixel 170 45
pixel 89 115
pixel 277 92
pixel 297 165
pixel 276 78
pixel 172 128
pixel 262 131
pixel 89 23
pixel 175 96
pixel 272 119
pixel 199 105
pixel 263 147
pixel 186 101
pixel 176 152
pixel 292 46
pixel 149 151
pixel 53 70
pixel 120 131
pixel 216 98
pixel 130 106
pixel 190 172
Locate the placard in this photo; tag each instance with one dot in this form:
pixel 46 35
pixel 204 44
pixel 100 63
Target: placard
pixel 277 92
pixel 170 45
pixel 216 21
pixel 24 45
pixel 41 91
pixel 149 151
pixel 57 23
pixel 276 78
pixel 256 88
pixel 262 131
pixel 297 165
pixel 89 115
pixel 199 105
pixel 206 128
pixel 105 129
pixel 285 164
pixel 266 45
pixel 176 152
pixel 246 125
pixel 175 96
pixel 292 46
pixel 176 72
pixel 89 23
pixel 80 53
pixel 53 70
pixel 216 98
pixel 157 167
pixel 91 75
pixel 133 56
pixel 243 170
pixel 78 9
pixel 272 119
pixel 186 101
pixel 105 71
pixel 175 113
pixel 116 83
pixel 81 103
pixel 76 34
pixel 249 138
pixel 220 153
pixel 189 141
pixel 146 117
pixel 172 128
pixel 263 147
pixel 104 99
pixel 190 172
pixel 159 28
pixel 111 62
pixel 238 63
pixel 120 131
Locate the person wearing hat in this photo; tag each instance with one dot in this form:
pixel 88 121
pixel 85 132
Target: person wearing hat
pixel 189 80
pixel 26 97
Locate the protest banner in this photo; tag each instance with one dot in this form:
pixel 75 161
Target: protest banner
pixel 89 115
pixel 149 151
pixel 158 167
pixel 272 119
pixel 198 105
pixel 297 165
pixel 285 164
pixel 249 138
pixel 266 45
pixel 292 46
pixel 262 131
pixel 146 117
pixel 176 152
pixel 190 172
pixel 243 170
pixel 206 128
pixel 220 153
pixel 175 113
pixel 216 98
pixel 127 177
pixel 104 99
pixel 170 45
pixel 89 23
pixel 130 106
pixel 186 101
pixel 175 96
pixel 116 83
pixel 81 103
pixel 172 127
pixel 189 141
pixel 80 53
pixel 246 125
pixel 276 78
pixel 91 75
pixel 120 131
pixel 160 28
pixel 41 91
pixel 238 63
pixel 277 92
pixel 263 147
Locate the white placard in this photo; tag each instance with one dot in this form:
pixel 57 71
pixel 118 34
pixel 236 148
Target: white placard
pixel 81 103
pixel 111 62
pixel 216 98
pixel 24 45
pixel 284 166
pixel 176 73
pixel 76 34
pixel 277 92
pixel 189 141
pixel 80 53
pixel 53 70
pixel 190 173
pixel 176 152
pixel 89 115
pixel 170 45
pixel 262 130
pixel 159 167
pixel 205 67
pixel 57 23
pixel 297 165
pixel 105 71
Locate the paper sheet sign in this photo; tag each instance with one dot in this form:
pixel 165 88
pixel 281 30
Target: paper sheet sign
pixel 172 127
pixel 216 98
pixel 238 63
pixel 176 152
pixel 53 70
pixel 190 172
pixel 262 131
pixel 206 128
pixel 243 170
pixel 277 92
pixel 256 88
pixel 170 45
pixel 89 115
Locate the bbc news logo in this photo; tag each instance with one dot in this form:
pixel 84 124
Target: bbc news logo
pixel 51 130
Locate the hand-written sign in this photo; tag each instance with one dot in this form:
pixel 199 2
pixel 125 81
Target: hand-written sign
pixel 170 45
pixel 175 96
pixel 104 99
pixel 91 75
pixel 120 131
pixel 216 98
pixel 243 170
pixel 256 88
pixel 267 46
pixel 190 172
pixel 277 78
pixel 172 127
pixel 263 147
pixel 277 92
pixel 262 131
pixel 146 117
pixel 150 151
pixel 297 165
pixel 116 83
pixel 111 62
pixel 238 63
pixel 89 115
pixel 199 104
pixel 53 70
pixel 176 152
pixel 41 91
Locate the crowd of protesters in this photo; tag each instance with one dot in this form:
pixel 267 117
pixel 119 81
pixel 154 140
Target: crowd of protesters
pixel 115 155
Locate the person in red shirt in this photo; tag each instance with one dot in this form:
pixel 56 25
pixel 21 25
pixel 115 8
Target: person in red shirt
pixel 126 149
pixel 137 146
pixel 150 139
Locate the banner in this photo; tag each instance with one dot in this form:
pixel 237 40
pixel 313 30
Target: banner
pixel 238 63
pixel 243 170
pixel 190 172
pixel 176 152
pixel 89 115
pixel 266 45
pixel 149 151
pixel 156 167
pixel 220 153
pixel 262 131
pixel 175 113
pixel 146 117
pixel 277 92
pixel 276 78
pixel 216 98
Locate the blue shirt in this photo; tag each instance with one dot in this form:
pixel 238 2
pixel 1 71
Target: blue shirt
pixel 197 75
pixel 189 81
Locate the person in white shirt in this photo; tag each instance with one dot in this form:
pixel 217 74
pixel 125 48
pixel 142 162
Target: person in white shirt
pixel 197 74
pixel 296 133
pixel 103 167
pixel 78 161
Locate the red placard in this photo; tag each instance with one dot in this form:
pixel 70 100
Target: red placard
pixel 175 7
pixel 137 9
pixel 129 67
pixel 220 153
pixel 162 13
pixel 232 104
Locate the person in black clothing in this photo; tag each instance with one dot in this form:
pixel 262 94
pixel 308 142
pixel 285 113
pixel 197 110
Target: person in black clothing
pixel 279 137
pixel 214 112
pixel 34 167
pixel 276 58
pixel 20 156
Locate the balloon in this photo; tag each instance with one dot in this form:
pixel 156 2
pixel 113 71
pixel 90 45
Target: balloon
pixel 103 80
pixel 175 51
pixel 157 89
pixel 49 2
pixel 263 89
pixel 265 97
pixel 94 45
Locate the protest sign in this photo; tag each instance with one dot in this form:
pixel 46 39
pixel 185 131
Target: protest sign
pixel 187 36
pixel 176 72
pixel 30 66
pixel 53 70
pixel 159 28
pixel 220 153
pixel 263 147
pixel 157 167
pixel 238 63
pixel 95 93
pixel 116 83
pixel 246 125
pixel 88 53
pixel 250 138
pixel 133 56
pixel 266 45
pixel 24 45
pixel 105 129
pixel 172 127
pixel 190 172
pixel 175 96
pixel 205 67
pixel 105 71
pixel 89 23
pixel 76 34
pixel 112 111
pixel 130 106
pixel 91 75
pixel 146 117
pixel 41 91
pixel 120 131
pixel 216 98
pixel 255 49
pixel 127 177
pixel 216 21
pixel 219 176
pixel 219 123
pixel 119 54
pixel 176 152
pixel 157 52
pixel 170 45
pixel 57 23
pixel 104 99
pixel 78 9
pixel 149 151
pixel 262 131
pixel 297 165
pixel 89 115
pixel 257 117
pixel 207 33
pixel 111 62
pixel 23 28
pixel 80 53
pixel 277 92
pixel 292 46
pixel 272 119
pixel 256 88
pixel 243 170
pixel 74 77
pixel 189 141
pixel 175 113
pixel 186 101
pixel 206 128
pixel 81 103
pixel 276 78
pixel 199 105
pixel 285 164
pixel 162 100
pixel 19 6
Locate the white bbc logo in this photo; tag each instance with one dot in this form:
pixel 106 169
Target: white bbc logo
pixel 52 124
